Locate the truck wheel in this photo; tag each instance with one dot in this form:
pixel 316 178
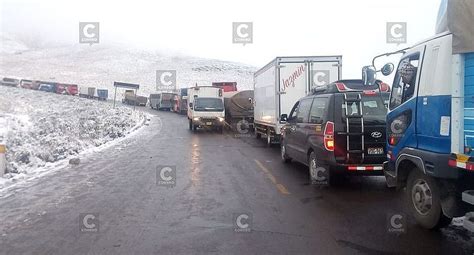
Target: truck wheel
pixel 424 200
pixel 284 156
pixel 190 125
pixel 269 138
pixel 194 127
pixel 257 134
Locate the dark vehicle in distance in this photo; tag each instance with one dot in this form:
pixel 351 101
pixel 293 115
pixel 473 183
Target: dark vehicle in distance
pixel 131 98
pixel 338 130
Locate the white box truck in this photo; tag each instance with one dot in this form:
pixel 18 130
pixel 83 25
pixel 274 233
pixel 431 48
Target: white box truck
pixel 206 108
pixel 282 82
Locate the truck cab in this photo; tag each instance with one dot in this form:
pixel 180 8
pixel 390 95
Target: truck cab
pixel 429 134
pixel 206 108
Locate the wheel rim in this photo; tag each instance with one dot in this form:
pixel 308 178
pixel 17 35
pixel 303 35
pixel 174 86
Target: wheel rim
pixel 422 197
pixel 283 152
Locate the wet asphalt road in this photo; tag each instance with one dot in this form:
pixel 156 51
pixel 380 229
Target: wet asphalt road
pixel 113 203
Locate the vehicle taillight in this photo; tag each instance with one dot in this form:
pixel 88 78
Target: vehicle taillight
pixel 370 93
pixel 329 136
pixel 465 165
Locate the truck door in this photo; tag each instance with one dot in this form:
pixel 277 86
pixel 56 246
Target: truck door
pixel 298 78
pixel 323 73
pixel 302 126
pixel 401 119
pixel 293 84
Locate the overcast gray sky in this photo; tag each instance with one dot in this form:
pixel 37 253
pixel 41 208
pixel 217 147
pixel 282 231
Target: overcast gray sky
pixel 354 29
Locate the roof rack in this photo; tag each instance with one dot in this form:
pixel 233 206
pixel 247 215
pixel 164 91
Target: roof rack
pixel 343 86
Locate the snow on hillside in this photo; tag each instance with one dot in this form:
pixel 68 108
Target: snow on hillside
pixel 100 65
pixel 11 46
pixel 43 128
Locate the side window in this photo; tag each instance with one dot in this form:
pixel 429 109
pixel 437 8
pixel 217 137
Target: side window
pixel 303 110
pixel 318 110
pixel 405 80
pixel 293 112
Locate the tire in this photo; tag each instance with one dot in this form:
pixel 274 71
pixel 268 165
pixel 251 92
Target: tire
pixel 190 125
pixel 318 175
pixel 220 129
pixel 194 127
pixel 420 188
pixel 284 156
pixel 269 138
pixel 257 134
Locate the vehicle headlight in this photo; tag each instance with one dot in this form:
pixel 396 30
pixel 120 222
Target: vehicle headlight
pixel 220 119
pixel 196 118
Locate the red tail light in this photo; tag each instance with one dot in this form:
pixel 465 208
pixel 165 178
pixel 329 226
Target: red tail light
pixel 329 136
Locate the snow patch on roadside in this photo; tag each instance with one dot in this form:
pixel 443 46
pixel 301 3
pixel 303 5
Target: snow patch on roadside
pixel 45 130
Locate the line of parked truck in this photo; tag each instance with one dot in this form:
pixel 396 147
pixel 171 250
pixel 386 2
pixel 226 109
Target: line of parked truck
pixel 56 87
pixel 238 104
pixel 215 106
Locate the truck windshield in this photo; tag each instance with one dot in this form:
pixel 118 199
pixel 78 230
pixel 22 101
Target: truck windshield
pixel 208 104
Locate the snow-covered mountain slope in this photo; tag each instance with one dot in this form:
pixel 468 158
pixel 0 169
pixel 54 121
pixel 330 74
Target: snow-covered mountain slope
pixel 100 65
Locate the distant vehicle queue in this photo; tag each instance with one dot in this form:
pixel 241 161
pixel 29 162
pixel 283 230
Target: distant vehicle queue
pixel 238 103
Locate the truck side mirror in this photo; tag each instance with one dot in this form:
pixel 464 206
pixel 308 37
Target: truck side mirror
pixel 191 105
pixel 368 75
pixel 284 118
pixel 387 69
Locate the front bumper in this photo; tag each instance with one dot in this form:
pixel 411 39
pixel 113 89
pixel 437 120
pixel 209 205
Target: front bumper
pixel 208 122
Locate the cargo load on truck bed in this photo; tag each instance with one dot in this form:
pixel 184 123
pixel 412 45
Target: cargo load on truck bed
pixel 238 106
pixel 130 98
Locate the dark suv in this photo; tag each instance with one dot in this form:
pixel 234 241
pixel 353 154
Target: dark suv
pixel 340 129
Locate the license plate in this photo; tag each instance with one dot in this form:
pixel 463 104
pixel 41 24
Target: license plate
pixel 375 151
pixel 208 123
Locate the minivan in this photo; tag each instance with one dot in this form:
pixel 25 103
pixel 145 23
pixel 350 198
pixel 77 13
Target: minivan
pixel 338 130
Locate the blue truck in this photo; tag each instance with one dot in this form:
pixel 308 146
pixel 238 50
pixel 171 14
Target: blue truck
pixel 430 122
pixel 102 94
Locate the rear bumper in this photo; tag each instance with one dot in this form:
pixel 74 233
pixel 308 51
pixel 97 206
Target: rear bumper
pixel 360 169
